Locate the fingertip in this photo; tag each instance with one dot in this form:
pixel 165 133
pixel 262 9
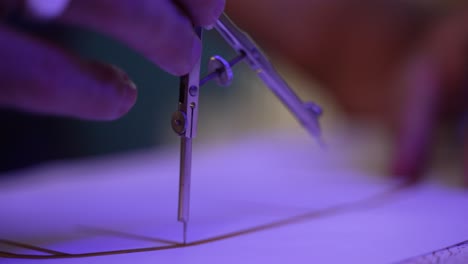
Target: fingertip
pixel 128 100
pixel 407 168
pixel 127 105
pixel 416 119
pixel 114 96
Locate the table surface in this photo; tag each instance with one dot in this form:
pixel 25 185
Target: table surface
pixel 271 199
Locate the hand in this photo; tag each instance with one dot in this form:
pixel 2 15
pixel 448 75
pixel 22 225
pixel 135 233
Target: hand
pixel 38 76
pixel 396 62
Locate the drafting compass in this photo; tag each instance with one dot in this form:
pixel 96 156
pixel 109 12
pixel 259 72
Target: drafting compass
pixel 184 120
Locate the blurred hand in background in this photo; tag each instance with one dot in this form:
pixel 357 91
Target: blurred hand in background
pixel 41 77
pixel 403 63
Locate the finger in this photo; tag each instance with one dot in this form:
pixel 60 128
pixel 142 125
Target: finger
pixel 417 119
pixel 38 77
pixel 155 28
pixel 203 12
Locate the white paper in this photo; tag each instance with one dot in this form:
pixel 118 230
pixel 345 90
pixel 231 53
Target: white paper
pixel 270 199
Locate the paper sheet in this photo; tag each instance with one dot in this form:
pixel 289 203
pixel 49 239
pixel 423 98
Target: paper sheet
pixel 269 199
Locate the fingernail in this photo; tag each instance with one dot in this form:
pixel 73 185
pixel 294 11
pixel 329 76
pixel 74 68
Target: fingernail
pixel 124 78
pixel 109 72
pixel 129 94
pixel 121 93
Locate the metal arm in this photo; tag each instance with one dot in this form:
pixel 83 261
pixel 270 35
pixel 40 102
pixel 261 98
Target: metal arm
pixel 306 113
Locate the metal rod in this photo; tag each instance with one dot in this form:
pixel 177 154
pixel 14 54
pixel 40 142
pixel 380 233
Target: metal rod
pixel 184 182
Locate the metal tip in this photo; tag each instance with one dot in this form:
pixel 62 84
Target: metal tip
pixel 185 232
